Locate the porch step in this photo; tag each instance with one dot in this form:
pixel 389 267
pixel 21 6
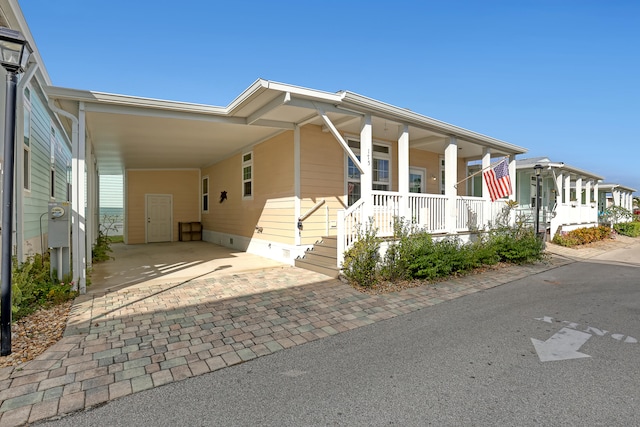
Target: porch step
pixel 322 258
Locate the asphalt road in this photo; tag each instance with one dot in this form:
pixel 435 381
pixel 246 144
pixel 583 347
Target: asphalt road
pixel 469 361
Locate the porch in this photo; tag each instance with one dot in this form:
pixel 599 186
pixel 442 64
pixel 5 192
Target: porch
pixel 425 212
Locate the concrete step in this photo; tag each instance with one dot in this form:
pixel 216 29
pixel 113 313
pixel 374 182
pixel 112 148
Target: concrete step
pixel 327 271
pixel 323 250
pixel 328 242
pixel 320 259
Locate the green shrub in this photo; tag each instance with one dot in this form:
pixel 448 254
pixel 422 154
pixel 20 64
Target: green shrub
pixel 33 287
pixel 407 244
pixel 102 248
pixel 442 258
pixel 415 255
pixel 520 248
pixel 361 260
pixel 631 229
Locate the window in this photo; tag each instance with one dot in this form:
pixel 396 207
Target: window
pixel 247 175
pixel 416 180
pixel 26 169
pixel 27 140
pixel 442 187
pixel 52 145
pixel 205 194
pixel 381 171
pixel 52 189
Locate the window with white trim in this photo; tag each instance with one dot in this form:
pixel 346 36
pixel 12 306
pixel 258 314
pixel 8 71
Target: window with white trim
pixel 247 175
pixel 26 166
pixel 52 183
pixel 205 194
pixel 52 175
pixel 442 174
pixel 381 170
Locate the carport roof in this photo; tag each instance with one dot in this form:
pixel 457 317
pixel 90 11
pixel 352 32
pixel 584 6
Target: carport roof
pixel 128 132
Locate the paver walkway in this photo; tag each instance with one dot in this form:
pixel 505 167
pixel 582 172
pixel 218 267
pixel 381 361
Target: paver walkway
pixel 143 336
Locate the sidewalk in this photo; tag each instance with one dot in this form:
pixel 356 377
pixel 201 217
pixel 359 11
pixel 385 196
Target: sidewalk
pixel 127 340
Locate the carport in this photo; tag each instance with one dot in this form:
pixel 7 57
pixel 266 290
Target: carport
pixel 171 263
pixel 112 134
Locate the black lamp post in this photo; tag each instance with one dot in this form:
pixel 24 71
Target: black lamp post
pixel 538 170
pixel 14 55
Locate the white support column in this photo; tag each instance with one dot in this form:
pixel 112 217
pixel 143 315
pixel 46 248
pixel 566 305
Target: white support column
pixel 627 200
pixel 512 174
pixel 91 204
pixel 296 183
pixel 579 191
pixel 587 190
pixel 559 189
pixel 366 159
pixel 403 171
pixel 80 251
pixel 596 195
pixel 567 189
pixel 450 179
pixel 616 197
pixel 486 162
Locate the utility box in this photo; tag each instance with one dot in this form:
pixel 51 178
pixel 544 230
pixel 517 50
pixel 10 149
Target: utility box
pixel 60 238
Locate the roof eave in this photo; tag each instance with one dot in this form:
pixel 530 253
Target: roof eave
pixel 382 109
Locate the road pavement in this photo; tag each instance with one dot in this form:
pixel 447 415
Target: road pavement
pixel 555 348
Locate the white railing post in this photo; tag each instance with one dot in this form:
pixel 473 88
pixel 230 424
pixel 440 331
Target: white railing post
pixel 341 240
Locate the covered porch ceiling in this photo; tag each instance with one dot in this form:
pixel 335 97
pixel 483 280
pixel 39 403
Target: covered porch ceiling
pixel 140 133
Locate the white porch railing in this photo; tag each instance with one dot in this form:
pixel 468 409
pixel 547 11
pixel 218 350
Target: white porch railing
pixel 470 213
pixel 425 211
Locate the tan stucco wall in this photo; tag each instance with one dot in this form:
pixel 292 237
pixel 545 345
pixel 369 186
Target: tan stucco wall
pixel 271 208
pixel 183 185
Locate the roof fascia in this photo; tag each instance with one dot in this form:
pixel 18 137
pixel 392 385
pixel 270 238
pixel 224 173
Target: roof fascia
pixel 554 165
pixel 92 97
pixel 402 114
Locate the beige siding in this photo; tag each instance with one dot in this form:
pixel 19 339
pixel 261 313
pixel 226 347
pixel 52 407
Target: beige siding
pixel 272 205
pixel 322 164
pixel 431 162
pixel 183 185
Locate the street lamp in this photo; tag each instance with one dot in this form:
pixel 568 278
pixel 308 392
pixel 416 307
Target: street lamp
pixel 538 170
pixel 14 55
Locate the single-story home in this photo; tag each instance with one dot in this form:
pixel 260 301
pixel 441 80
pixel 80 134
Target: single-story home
pixel 568 198
pixel 280 170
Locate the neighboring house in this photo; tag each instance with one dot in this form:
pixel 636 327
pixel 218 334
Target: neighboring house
pixel 569 195
pixel 614 195
pixel 42 147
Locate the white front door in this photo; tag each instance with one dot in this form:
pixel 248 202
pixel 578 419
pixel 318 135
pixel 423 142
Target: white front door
pixel 159 212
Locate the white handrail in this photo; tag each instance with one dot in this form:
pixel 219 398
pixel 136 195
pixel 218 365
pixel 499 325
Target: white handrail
pixel 312 209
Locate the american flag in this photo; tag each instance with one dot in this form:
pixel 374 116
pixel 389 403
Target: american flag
pixel 498 181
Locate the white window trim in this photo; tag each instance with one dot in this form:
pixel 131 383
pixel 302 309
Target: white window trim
pixel 207 194
pixel 375 155
pixel 247 163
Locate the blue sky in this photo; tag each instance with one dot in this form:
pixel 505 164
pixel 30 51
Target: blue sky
pixel 558 77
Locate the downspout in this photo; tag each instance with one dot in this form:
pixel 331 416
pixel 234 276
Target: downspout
pixel 75 228
pixel 19 153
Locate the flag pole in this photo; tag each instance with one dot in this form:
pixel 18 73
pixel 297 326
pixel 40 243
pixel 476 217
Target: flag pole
pixel 481 170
